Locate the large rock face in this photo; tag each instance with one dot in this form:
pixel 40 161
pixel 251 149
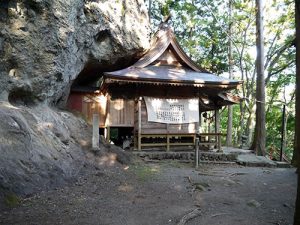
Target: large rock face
pixel 40 148
pixel 44 45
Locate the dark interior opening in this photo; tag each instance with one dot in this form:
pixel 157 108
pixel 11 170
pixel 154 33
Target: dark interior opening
pixel 122 136
pixel 101 132
pixel 20 96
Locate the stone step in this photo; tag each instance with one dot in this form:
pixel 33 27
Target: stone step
pixel 216 162
pixel 283 165
pixel 253 160
pixel 203 156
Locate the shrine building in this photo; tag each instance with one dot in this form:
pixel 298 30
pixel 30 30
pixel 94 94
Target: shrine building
pixel 159 102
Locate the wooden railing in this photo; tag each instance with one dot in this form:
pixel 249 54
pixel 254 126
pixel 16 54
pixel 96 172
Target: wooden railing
pixel 274 154
pixel 207 140
pixel 166 140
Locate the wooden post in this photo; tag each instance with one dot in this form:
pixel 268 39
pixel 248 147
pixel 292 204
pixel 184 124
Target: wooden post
pixel 168 142
pixel 108 134
pixel 197 127
pixel 200 123
pixel 105 133
pixel 168 137
pixel 217 129
pixel 139 123
pixel 197 153
pixel 95 138
pixel 197 131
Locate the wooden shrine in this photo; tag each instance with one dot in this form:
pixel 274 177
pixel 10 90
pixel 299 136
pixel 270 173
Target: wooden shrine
pixel 164 84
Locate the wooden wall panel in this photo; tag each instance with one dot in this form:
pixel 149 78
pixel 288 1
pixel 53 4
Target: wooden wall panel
pixel 120 113
pixel 93 104
pixel 75 102
pixel 88 104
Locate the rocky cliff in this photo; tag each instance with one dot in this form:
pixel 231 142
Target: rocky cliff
pixel 44 45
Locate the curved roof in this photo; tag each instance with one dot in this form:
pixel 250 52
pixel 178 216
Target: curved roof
pixel 166 62
pixel 163 39
pixel 166 73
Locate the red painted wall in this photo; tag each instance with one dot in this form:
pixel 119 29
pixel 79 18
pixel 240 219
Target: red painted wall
pixel 75 101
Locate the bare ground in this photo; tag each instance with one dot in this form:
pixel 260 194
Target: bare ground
pixel 163 193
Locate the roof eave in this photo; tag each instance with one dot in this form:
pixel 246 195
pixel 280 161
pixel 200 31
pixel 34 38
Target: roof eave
pixel 116 78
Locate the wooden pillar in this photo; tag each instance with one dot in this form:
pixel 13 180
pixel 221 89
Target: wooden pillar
pixel 197 153
pixel 168 142
pixel 200 124
pixel 197 131
pixel 139 123
pixel 95 138
pixel 168 138
pixel 208 127
pixel 107 134
pixel 217 129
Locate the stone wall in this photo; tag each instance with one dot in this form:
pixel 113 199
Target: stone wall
pixel 189 155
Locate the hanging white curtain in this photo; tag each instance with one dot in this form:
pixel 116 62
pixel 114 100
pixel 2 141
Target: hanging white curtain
pixel 172 111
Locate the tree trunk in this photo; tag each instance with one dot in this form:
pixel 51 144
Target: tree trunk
pixel 283 132
pixel 249 129
pixel 297 126
pixel 242 117
pixel 229 121
pixel 252 147
pixel 294 158
pixel 297 122
pixel 149 10
pixel 260 128
pixel 229 127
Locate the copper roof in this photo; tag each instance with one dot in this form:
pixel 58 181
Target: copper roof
pixel 163 39
pixel 170 74
pixel 182 71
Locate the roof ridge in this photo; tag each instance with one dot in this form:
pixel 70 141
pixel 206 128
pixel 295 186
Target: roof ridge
pixel 162 39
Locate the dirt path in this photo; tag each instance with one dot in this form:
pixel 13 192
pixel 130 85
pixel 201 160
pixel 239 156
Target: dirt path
pixel 162 193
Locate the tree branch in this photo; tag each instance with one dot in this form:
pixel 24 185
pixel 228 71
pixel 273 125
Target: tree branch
pixel 270 74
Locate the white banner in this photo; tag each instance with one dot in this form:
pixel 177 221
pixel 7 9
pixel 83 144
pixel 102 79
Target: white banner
pixel 172 111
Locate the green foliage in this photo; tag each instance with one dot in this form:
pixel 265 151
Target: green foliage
pixel 235 122
pixel 200 34
pixel 144 172
pixel 274 126
pixel 201 27
pixel 12 200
